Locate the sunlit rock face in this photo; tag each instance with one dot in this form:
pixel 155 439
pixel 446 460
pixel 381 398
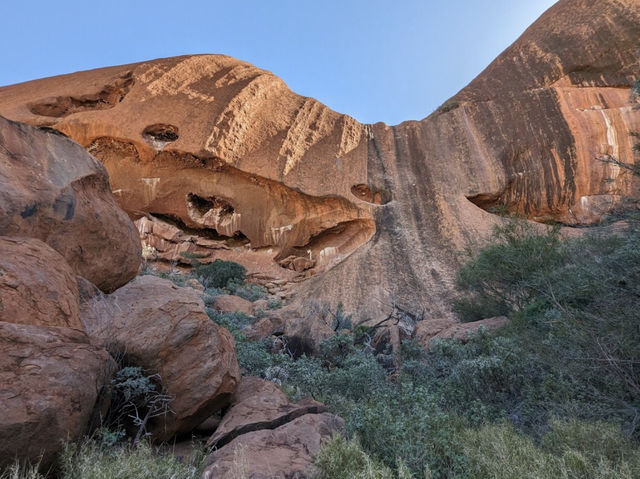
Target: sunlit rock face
pixel 371 215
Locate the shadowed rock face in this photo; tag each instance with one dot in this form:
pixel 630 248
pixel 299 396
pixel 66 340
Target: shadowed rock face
pixel 220 146
pixel 53 191
pixel 52 379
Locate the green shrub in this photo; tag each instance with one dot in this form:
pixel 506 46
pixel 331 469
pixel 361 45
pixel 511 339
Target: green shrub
pixel 220 273
pixel 506 275
pixel 274 303
pixel 334 350
pixel 253 357
pixel 248 291
pixel 341 320
pixel 479 307
pixel 234 321
pixel 406 422
pixel 136 398
pixel 449 106
pixel 573 338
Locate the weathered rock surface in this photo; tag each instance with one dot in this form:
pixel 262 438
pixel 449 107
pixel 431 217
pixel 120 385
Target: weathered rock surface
pixel 225 149
pixel 258 404
pixel 228 303
pixel 165 330
pixel 445 329
pixel 37 286
pixel 52 190
pixel 263 328
pixel 281 453
pixel 50 381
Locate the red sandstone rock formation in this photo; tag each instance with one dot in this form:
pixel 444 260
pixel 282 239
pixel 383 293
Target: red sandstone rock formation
pixel 52 190
pixel 37 286
pixel 224 151
pixel 164 329
pixel 50 382
pixel 228 303
pixel 258 404
pixel 286 451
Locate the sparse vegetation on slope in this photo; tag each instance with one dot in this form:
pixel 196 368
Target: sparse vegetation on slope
pixel 553 394
pixel 564 365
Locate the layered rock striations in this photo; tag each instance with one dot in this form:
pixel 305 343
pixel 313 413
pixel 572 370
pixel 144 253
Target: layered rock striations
pixel 372 215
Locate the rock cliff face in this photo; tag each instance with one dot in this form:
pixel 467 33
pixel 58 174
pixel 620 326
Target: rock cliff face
pixel 368 214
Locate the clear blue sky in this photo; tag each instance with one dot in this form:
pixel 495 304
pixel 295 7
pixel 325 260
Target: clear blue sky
pixel 376 60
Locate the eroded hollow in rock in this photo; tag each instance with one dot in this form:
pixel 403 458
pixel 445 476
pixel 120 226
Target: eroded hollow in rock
pixel 374 196
pixel 235 239
pixel 160 134
pixel 213 212
pixel 108 97
pixel 107 150
pixel 205 205
pixel 329 246
pixel 491 202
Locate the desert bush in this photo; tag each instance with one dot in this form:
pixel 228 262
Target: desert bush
pixel 233 321
pixel 341 320
pixel 137 398
pixel 249 291
pixel 253 357
pixel 406 422
pixel 506 275
pixel 274 303
pixel 575 301
pixel 334 350
pixel 220 273
pixel 477 307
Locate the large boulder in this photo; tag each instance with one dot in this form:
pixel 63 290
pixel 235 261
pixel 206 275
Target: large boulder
pixel 37 286
pixel 281 453
pixel 228 303
pixel 259 404
pixel 164 329
pixel 50 382
pixel 53 190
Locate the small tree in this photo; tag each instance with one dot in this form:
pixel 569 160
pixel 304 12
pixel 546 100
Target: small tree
pixel 136 399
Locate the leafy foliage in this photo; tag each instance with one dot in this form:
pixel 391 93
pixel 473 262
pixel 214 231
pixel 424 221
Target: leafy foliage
pixel 249 291
pixel 136 399
pixel 220 273
pixel 507 274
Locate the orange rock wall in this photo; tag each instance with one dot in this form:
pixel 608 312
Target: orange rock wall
pixel 213 143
